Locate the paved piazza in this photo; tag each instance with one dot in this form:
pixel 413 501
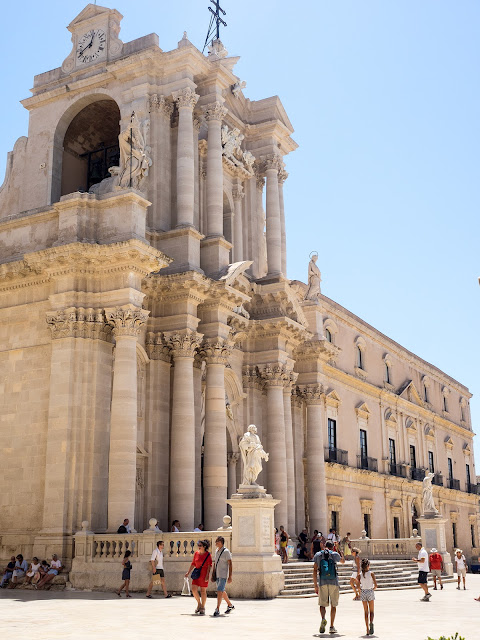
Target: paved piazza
pixel 399 615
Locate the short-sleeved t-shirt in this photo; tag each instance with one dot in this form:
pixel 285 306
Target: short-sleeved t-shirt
pixel 21 566
pixel 157 556
pixel 221 562
pixel 423 556
pixel 460 561
pixel 55 564
pixel 335 556
pixel 435 562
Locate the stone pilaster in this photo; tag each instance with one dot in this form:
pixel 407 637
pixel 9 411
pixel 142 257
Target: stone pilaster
pixel 238 195
pixel 261 248
pixel 282 176
pixel 273 164
pixel 214 114
pixel 287 407
pixel 182 446
pixel 317 500
pixel 127 322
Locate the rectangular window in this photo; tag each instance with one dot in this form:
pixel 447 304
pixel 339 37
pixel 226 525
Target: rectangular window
pixel 391 445
pixel 413 457
pixel 387 373
pixel 431 464
pixel 332 434
pixel 366 524
pixel 396 527
pixel 467 469
pixel 334 524
pixel 425 393
pixel 450 471
pixel 363 444
pixel 445 406
pixel 454 534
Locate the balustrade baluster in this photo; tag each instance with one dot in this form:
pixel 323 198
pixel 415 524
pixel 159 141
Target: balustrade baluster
pixel 185 547
pixel 178 548
pixel 192 547
pixel 172 544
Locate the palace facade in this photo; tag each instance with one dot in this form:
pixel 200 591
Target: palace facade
pixel 146 319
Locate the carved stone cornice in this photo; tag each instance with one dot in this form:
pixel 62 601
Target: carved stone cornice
pixel 251 378
pixel 318 350
pixel 183 343
pixel 157 348
pixel 159 104
pixel 127 320
pixel 237 192
pixel 312 393
pixel 215 111
pixel 185 98
pixel 275 375
pixel 216 350
pixel 78 322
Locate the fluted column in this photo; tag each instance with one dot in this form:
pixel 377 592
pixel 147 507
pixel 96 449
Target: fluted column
pixel 214 115
pixel 275 377
pixel 273 164
pixel 122 461
pixel 261 248
pixel 186 100
pixel 182 444
pixel 282 176
pixel 287 408
pixel 317 495
pixel 215 482
pixel 238 196
pixel 299 447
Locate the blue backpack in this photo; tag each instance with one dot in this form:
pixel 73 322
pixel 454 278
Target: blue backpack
pixel 327 567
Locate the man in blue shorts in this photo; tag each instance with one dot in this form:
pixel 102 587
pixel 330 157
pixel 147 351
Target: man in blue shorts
pixel 223 570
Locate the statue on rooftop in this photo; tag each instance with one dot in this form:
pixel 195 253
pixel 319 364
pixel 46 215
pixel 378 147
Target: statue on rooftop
pixel 314 278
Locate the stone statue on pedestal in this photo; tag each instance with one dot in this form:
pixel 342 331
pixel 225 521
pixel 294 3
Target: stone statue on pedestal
pixel 314 278
pixel 135 160
pixel 427 496
pixel 252 456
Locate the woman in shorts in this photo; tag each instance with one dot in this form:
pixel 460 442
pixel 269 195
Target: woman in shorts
pixel 355 572
pixel 367 584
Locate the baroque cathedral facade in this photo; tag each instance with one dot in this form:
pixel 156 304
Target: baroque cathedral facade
pixel 146 319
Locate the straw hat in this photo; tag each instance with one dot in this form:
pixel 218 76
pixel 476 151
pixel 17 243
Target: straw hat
pixel 433 550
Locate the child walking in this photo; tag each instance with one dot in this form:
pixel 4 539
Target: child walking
pixel 127 567
pixel 368 584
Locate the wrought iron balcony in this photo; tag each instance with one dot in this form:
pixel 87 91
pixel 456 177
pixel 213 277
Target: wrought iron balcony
pixel 438 480
pixel 365 462
pixel 398 470
pixel 417 474
pixel 472 488
pixel 332 454
pixel 453 484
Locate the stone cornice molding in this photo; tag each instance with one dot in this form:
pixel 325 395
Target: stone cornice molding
pixel 177 287
pixel 183 344
pixel 314 350
pixel 79 322
pixel 157 348
pixel 185 98
pixel 159 104
pixel 217 350
pixel 312 393
pixel 275 374
pixel 127 320
pixel 215 111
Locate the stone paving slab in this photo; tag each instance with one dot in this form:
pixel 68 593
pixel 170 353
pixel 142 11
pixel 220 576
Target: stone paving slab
pixel 71 615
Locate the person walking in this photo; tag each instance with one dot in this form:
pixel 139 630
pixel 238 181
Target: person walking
pixel 127 567
pixel 222 573
pixel 355 572
pixel 435 561
pixel 367 584
pixel 200 570
pixel 423 568
pixel 283 544
pixel 461 567
pixel 326 584
pixel 156 561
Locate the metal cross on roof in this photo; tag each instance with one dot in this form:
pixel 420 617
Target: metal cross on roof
pixel 215 22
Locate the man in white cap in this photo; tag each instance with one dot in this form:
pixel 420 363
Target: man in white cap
pixel 436 567
pixel 461 565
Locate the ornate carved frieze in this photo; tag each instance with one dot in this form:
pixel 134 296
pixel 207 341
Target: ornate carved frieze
pixel 157 348
pixel 217 350
pixel 78 322
pixel 312 393
pixel 127 320
pixel 275 375
pixel 159 104
pixel 185 98
pixel 215 111
pixel 183 343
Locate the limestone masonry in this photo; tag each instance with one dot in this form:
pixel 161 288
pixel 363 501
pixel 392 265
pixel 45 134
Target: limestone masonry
pixel 146 319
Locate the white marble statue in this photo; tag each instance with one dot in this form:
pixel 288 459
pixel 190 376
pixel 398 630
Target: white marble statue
pixel 314 278
pixel 427 495
pixel 134 154
pixel 252 456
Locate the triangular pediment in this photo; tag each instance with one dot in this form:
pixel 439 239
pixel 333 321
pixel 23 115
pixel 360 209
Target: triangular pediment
pixel 332 398
pixel 410 392
pixel 91 11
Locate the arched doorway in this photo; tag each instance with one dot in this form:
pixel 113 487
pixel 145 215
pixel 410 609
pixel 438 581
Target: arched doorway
pixel 90 146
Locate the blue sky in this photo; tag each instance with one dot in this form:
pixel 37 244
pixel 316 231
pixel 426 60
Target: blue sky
pixel 385 101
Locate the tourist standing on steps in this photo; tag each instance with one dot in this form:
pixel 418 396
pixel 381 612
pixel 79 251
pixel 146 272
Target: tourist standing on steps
pixel 461 567
pixel 200 570
pixel 156 561
pixel 127 567
pixel 422 561
pixel 326 584
pixel 367 584
pixel 222 571
pixel 435 561
pixel 283 544
pixel 355 572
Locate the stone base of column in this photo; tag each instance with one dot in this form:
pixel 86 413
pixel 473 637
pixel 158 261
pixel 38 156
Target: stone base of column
pixel 215 255
pixel 183 245
pixel 257 568
pixel 433 535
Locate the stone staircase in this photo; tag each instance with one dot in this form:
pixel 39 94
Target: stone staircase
pixel 390 574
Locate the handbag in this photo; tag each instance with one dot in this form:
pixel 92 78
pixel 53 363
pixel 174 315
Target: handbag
pixel 214 572
pixel 186 587
pixel 156 580
pixel 196 572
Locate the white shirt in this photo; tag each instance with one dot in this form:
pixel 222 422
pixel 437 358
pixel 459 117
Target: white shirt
pixel 331 536
pixel 366 582
pixel 175 530
pixel 460 561
pixel 55 564
pixel 157 556
pixel 423 556
pixel 127 527
pixel 198 530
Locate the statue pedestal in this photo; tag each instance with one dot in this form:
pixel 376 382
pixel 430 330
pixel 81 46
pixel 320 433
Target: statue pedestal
pixel 432 528
pixel 257 569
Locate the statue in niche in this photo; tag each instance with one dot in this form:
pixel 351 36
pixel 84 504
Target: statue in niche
pixel 314 278
pixel 134 153
pixel 427 495
pixel 252 455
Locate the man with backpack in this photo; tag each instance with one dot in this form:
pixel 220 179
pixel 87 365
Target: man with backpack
pixel 325 580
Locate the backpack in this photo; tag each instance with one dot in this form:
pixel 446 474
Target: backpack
pixel 122 529
pixel 326 566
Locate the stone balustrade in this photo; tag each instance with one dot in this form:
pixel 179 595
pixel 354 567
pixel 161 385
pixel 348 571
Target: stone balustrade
pixel 395 548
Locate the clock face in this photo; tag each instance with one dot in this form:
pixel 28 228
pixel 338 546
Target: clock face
pixel 91 46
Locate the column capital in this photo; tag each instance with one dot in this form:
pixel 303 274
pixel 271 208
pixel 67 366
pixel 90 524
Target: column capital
pixel 185 98
pixel 196 124
pixel 260 182
pixel 274 375
pixel 127 320
pixel 297 397
pixel 273 161
pixel 290 382
pixel 157 348
pixel 312 393
pixel 233 458
pixel 215 111
pixel 78 322
pixel 216 350
pixel 183 343
pixel 159 104
pixel 251 378
pixel 282 176
pixel 238 192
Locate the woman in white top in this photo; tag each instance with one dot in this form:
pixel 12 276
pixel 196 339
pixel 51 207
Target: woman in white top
pixel 367 584
pixel 355 572
pixel 461 563
pixel 32 570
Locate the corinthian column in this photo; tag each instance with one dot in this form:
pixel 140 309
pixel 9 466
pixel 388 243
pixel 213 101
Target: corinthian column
pixel 282 176
pixel 287 407
pixel 273 164
pixel 275 377
pixel 122 461
pixel 186 100
pixel 215 481
pixel 238 196
pixel 261 247
pixel 214 114
pixel 317 500
pixel 182 444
